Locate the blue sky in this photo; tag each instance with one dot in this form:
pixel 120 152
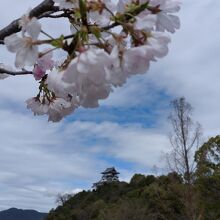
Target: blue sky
pixel 129 130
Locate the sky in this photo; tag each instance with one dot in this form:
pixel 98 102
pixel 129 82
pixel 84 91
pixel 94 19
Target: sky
pixel 129 130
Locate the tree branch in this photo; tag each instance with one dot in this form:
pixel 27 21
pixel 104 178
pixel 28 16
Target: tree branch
pixel 12 73
pixel 13 27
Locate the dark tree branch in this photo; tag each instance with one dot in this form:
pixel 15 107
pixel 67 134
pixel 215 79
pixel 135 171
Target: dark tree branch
pixel 13 27
pixel 46 5
pixel 12 73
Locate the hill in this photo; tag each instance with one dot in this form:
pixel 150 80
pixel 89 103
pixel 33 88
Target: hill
pixel 144 198
pixel 19 214
pixel 165 197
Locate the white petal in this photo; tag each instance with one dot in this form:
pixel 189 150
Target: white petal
pixel 13 43
pixel 69 75
pixel 33 28
pixel 26 56
pixel 145 22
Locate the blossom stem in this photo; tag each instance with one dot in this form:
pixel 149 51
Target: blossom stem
pixel 46 34
pixel 107 9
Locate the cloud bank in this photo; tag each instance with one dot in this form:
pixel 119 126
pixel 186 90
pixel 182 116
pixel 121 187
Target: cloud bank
pixel 40 159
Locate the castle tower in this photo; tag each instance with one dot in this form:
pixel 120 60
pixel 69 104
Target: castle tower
pixel 108 176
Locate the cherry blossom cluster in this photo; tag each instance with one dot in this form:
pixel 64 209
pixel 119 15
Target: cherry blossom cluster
pixel 109 41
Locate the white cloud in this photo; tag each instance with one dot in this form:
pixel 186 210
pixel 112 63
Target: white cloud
pixel 137 91
pixel 192 66
pixel 33 158
pixel 40 159
pixel 130 143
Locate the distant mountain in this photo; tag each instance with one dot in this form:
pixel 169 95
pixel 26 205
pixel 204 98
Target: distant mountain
pixel 19 214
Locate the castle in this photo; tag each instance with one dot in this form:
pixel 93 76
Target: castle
pixel 108 176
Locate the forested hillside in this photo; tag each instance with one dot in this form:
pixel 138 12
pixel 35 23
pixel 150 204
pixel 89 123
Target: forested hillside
pixel 165 197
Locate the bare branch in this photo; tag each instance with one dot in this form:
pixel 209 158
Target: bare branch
pixel 12 73
pixel 46 5
pixel 184 139
pixel 13 27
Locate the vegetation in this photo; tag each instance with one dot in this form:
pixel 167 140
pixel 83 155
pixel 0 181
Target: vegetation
pixel 153 197
pixel 184 139
pixel 208 178
pixel 191 191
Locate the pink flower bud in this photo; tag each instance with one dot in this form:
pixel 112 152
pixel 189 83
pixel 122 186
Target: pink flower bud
pixel 38 72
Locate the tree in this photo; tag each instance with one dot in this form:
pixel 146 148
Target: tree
pixel 109 42
pixel 184 139
pixel 62 198
pixel 207 158
pixel 145 197
pixel 208 178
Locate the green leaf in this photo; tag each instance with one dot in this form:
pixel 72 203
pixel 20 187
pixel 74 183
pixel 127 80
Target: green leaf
pixel 58 43
pixel 96 31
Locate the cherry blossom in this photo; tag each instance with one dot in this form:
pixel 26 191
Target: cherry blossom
pixel 60 88
pixel 31 26
pixel 43 64
pixel 115 75
pixel 107 8
pixel 86 75
pixel 38 107
pixel 145 21
pixel 165 19
pixel 109 42
pixel 57 108
pixel 137 60
pixel 159 43
pixel 24 47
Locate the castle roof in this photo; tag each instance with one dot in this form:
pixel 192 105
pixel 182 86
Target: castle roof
pixel 110 170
